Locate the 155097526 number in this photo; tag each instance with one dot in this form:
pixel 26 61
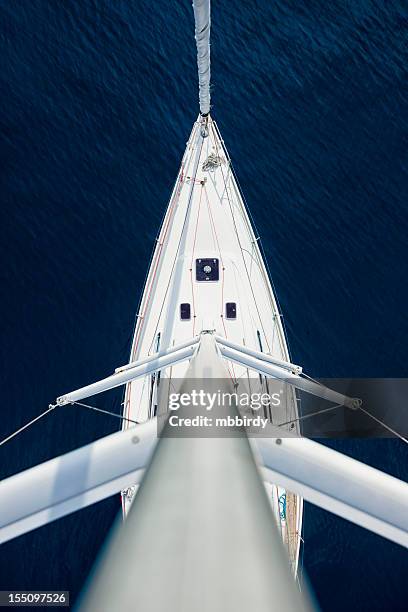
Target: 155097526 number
pixel 34 598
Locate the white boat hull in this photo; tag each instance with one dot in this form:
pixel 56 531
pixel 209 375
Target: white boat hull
pixel 206 219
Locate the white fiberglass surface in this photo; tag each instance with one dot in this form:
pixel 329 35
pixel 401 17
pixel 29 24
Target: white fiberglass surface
pixel 206 219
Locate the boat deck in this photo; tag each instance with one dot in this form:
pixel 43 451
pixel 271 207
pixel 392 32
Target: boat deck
pixel 207 272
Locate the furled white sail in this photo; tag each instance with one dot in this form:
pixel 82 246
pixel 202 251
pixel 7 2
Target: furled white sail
pixel 202 36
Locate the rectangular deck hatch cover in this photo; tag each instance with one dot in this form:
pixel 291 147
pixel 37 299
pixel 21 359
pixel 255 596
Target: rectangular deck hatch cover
pixel 207 269
pixel 185 312
pixel 231 310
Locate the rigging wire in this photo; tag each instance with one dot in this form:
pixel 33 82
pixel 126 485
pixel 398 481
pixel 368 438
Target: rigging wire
pixel 51 408
pixel 396 433
pixel 27 425
pixel 330 408
pixel 304 375
pixel 118 416
pixel 311 414
pixel 192 257
pixel 123 418
pixel 135 342
pixel 236 232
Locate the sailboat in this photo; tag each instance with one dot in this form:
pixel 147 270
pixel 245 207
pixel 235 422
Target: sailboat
pixel 207 273
pixel 213 522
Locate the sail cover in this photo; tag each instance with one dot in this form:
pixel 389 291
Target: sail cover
pixel 202 36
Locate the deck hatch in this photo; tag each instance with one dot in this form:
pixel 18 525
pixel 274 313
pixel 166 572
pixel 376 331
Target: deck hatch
pixel 207 269
pixel 231 310
pixel 185 312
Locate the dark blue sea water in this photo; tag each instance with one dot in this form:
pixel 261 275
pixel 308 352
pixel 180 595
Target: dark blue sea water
pixel 98 98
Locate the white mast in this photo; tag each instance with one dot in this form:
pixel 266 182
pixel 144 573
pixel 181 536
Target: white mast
pixel 202 36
